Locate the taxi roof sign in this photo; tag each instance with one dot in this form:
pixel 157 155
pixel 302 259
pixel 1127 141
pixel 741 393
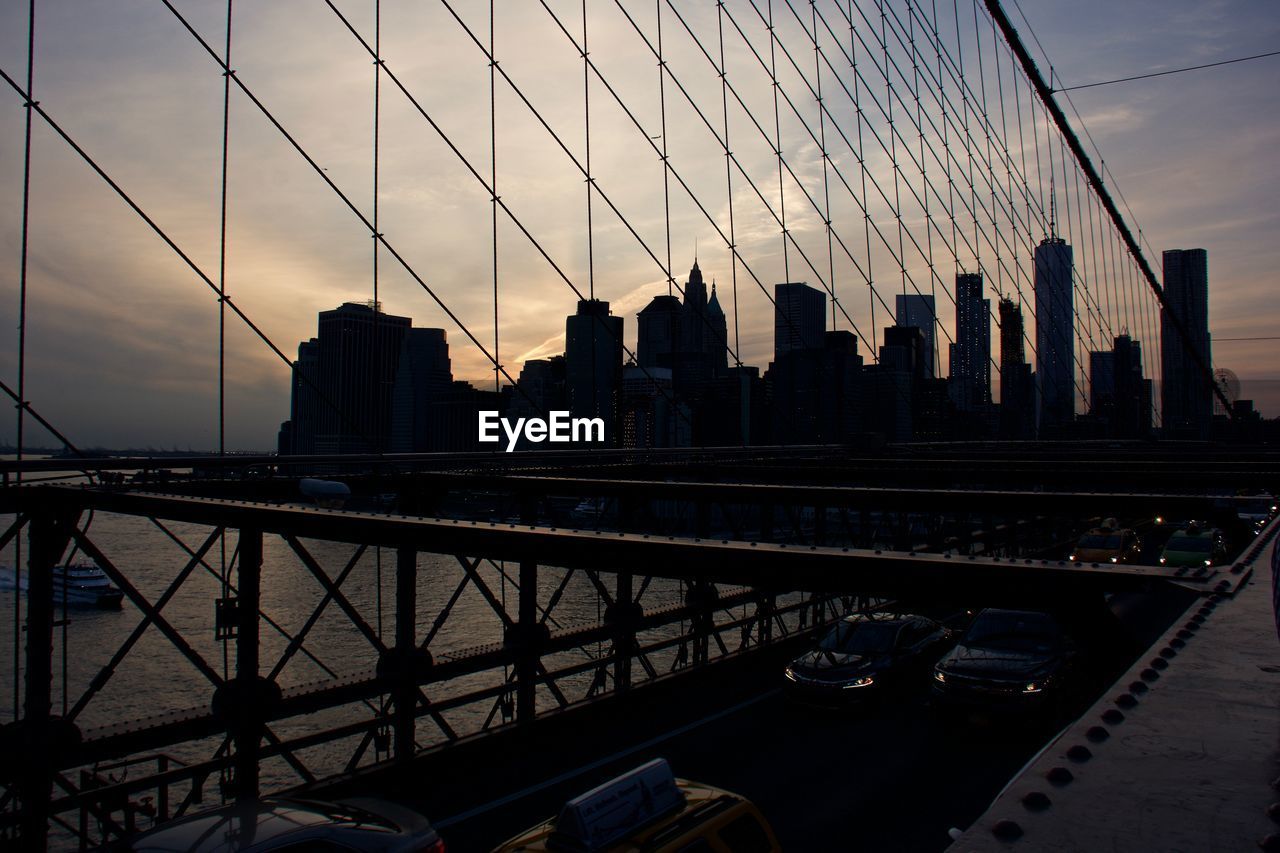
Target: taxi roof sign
pixel 607 813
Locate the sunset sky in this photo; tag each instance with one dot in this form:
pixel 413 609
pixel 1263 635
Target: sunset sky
pixel 122 335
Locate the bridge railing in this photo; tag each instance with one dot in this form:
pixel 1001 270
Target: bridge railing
pixel 272 650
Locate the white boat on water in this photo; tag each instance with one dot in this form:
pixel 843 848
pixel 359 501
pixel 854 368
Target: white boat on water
pixel 78 584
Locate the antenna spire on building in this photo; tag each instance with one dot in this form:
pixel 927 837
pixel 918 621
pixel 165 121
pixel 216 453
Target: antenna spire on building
pixel 1053 211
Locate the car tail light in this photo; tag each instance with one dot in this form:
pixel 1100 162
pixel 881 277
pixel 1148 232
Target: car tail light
pixel 436 846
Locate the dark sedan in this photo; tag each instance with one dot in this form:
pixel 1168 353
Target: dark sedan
pixel 863 656
pixel 1014 660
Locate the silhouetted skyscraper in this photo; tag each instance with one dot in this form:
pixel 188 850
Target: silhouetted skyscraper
pixel 304 400
pixel 1012 350
pixel 593 364
pixel 799 318
pixel 1186 393
pixel 1055 334
pixel 658 332
pixel 971 352
pixel 1102 383
pixel 717 342
pixel 358 355
pixel 423 375
pixel 919 311
pixel 1017 385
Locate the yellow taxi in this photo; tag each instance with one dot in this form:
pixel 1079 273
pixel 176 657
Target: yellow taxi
pixel 648 809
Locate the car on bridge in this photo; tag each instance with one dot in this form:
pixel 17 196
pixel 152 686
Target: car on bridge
pixel 864 656
pixel 1108 544
pixel 1194 545
pixel 650 809
pixel 290 825
pixel 1007 660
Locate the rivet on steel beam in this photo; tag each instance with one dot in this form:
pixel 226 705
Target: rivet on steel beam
pixel 1036 801
pixel 1097 734
pixel 1177 643
pixel 1079 753
pixel 1060 776
pixel 1159 663
pixel 1168 652
pixel 1126 700
pixel 1006 830
pixel 1112 717
pixel 1150 675
pixel 1138 688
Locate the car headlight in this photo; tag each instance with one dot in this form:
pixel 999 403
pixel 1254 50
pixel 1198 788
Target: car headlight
pixel 1033 687
pixel 940 676
pixel 1162 561
pixel 789 673
pixel 1159 519
pixel 1208 562
pixel 1072 558
pixel 1114 559
pixel 865 681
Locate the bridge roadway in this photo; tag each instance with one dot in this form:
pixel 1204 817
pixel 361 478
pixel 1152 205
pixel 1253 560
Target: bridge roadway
pixel 888 777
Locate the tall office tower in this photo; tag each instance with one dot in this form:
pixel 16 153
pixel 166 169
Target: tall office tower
pixel 1186 393
pixel 648 413
pixel 716 344
pixel 658 333
pixel 1055 335
pixel 304 399
pixel 694 332
pixel 1133 390
pixel 799 317
pixel 919 311
pixel 593 364
pixel 1012 350
pixel 359 353
pixel 1017 385
pixel 423 375
pixel 539 389
pixel 971 352
pixel 1102 383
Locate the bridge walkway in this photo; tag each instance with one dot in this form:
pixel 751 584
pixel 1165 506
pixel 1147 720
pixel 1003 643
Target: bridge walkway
pixel 1183 754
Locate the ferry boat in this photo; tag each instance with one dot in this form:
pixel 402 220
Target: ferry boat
pixel 85 583
pixel 79 584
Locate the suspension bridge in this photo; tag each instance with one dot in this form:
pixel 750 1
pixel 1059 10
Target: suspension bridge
pixel 470 625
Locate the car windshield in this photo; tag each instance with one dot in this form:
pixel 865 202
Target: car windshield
pixel 1100 540
pixel 1194 544
pixel 1013 630
pixel 860 638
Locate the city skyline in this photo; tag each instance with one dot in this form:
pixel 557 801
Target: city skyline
pixel 292 255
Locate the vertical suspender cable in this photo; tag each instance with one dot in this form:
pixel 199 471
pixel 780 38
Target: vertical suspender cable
pixel 22 348
pixel 666 168
pixel 926 186
pixel 893 148
pixel 862 170
pixel 777 143
pixel 728 174
pixel 826 166
pixel 586 109
pixel 493 184
pixel 222 303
